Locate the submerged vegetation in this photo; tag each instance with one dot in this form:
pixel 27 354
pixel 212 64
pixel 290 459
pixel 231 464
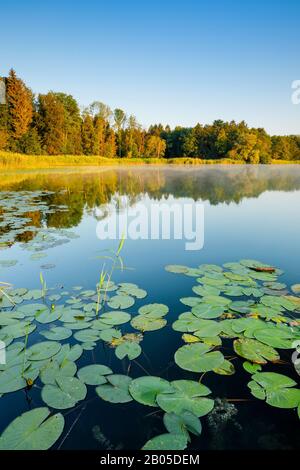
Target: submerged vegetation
pixel 52 124
pixel 241 304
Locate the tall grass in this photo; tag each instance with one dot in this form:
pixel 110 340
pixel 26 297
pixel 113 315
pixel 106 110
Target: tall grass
pixel 9 160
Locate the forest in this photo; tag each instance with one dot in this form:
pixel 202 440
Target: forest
pixel 54 124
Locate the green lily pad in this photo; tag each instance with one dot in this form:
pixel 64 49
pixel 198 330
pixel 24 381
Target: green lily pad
pixel 184 423
pixel 128 348
pixel 16 330
pixel 187 396
pixel 276 336
pixel 145 389
pixel 147 323
pixel 52 370
pixel 167 442
pixel 94 374
pixel 255 351
pixel 110 334
pixel 190 301
pixel 66 393
pixel 251 368
pixel 296 288
pixel 87 335
pixel 57 333
pixel 115 318
pixel 12 380
pixel 154 310
pixel 207 311
pixel 116 390
pixel 226 368
pixel 276 388
pixel 33 430
pixel 197 357
pixel 176 268
pixel 43 350
pixel 121 301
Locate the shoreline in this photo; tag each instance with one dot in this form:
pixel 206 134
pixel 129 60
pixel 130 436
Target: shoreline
pixel 14 161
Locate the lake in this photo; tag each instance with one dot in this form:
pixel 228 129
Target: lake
pixel 49 222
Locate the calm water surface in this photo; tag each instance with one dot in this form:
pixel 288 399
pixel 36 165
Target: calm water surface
pixel 250 212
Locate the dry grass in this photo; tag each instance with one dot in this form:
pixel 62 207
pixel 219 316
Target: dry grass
pixel 10 160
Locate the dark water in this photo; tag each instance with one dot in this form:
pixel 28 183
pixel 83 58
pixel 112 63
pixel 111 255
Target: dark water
pixel 249 212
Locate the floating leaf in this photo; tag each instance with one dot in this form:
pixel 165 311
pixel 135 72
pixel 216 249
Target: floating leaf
pixel 198 357
pixel 43 350
pixel 94 374
pixel 276 336
pixel 226 368
pixel 251 368
pixel 12 380
pixel 182 424
pixel 145 389
pixel 57 333
pixel 65 393
pixel 53 369
pixel 187 396
pixel 121 301
pixel 296 288
pixel 130 349
pixel 207 311
pixel 154 310
pixel 147 323
pixel 276 388
pixel 176 268
pixel 87 335
pixel 167 442
pixel 255 351
pixel 115 318
pixel 33 430
pixel 116 390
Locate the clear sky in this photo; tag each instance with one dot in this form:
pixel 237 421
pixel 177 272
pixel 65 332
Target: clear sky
pixel 169 61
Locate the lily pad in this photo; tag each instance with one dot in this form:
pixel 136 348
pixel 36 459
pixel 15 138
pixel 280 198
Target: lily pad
pixel 121 301
pixel 115 318
pixel 94 374
pixel 184 423
pixel 128 348
pixel 197 357
pixel 277 389
pixel 147 323
pixel 154 310
pixel 255 351
pixel 145 389
pixel 43 350
pixel 187 396
pixel 57 333
pixel 33 430
pixel 167 442
pixel 66 393
pixel 116 390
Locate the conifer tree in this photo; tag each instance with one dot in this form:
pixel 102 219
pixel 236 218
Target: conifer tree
pixel 20 106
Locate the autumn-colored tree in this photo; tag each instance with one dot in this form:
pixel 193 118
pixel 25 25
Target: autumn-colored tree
pixel 20 106
pixel 88 135
pixel 120 119
pixel 110 149
pixel 154 147
pixel 72 124
pixel 51 121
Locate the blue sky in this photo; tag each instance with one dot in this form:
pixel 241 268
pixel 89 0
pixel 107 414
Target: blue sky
pixel 175 62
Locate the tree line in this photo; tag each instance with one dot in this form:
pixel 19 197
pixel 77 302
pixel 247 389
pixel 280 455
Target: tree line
pixel 54 124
